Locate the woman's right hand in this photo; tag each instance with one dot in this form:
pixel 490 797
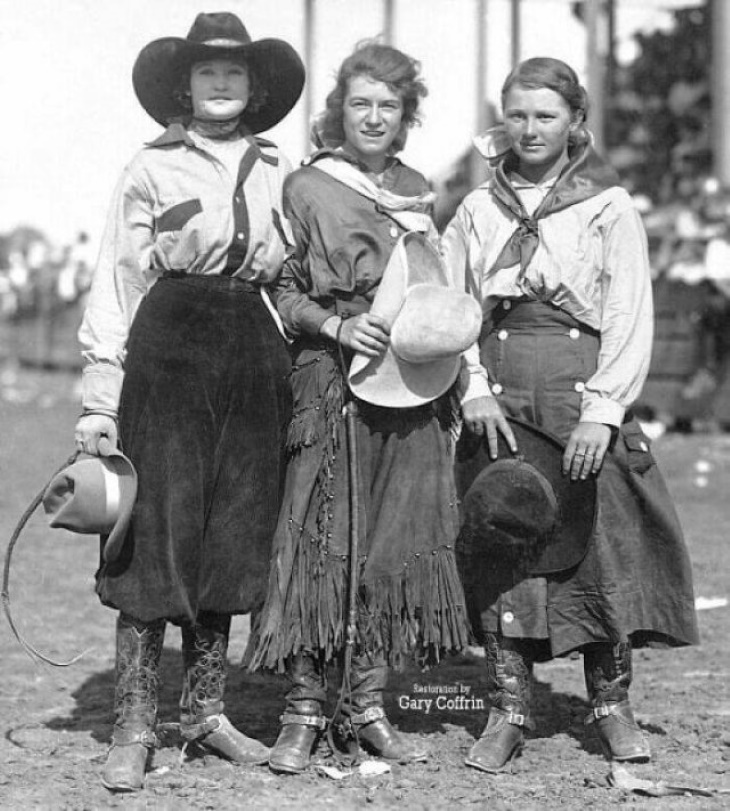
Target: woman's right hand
pixel 483 416
pixel 91 428
pixel 365 333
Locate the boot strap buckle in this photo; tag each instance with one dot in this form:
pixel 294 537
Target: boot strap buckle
pixel 367 716
pixel 318 721
pixel 601 711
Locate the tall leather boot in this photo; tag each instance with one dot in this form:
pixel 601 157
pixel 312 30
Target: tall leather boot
pixel 509 686
pixel 303 721
pixel 366 716
pixel 608 675
pixel 139 647
pixel 205 649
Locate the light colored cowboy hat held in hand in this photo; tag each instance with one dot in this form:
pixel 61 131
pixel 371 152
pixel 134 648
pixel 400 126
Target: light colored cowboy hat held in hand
pixel 431 324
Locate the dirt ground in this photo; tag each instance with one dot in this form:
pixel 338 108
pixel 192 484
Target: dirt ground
pixel 56 722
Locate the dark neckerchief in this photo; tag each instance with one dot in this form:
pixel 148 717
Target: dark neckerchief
pixel 585 176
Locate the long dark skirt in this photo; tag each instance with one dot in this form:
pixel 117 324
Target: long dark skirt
pixel 204 406
pixel 635 580
pixel 410 598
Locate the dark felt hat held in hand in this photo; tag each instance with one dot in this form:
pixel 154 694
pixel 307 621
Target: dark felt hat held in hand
pixel 522 506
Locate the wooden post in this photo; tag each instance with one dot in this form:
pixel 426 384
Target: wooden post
pixel 389 22
pixel 309 28
pixel 478 168
pixel 720 90
pixel 516 31
pixel 596 21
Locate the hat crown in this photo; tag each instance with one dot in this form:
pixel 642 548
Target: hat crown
pixel 220 28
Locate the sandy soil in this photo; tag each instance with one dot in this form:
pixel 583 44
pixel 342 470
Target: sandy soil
pixel 56 722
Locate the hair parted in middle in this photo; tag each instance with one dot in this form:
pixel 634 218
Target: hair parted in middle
pixel 544 71
pixel 381 63
pixel 257 92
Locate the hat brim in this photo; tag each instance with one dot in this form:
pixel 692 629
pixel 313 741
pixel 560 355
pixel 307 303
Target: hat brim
pixel 576 499
pixel 160 65
pixel 127 476
pixel 87 500
pixel 389 380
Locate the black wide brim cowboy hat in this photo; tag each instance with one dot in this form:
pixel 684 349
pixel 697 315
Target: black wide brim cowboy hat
pixel 525 500
pixel 163 64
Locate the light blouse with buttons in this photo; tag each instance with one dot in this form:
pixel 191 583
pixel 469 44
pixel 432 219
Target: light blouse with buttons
pixel 591 261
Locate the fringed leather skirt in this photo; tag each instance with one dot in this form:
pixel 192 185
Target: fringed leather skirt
pixel 409 597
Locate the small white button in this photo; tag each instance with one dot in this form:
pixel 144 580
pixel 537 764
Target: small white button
pixel 497 388
pixel 508 617
pixel 574 333
pixel 239 235
pixel 580 386
pixel 393 231
pixel 507 304
pixel 502 335
pixel 644 447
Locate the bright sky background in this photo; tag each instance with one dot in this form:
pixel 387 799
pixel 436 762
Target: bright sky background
pixel 71 120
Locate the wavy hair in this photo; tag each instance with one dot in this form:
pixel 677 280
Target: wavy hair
pixel 381 63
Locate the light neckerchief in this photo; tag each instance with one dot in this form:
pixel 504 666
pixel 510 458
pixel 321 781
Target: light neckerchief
pixel 409 212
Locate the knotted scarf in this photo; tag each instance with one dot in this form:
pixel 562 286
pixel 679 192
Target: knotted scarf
pixel 585 176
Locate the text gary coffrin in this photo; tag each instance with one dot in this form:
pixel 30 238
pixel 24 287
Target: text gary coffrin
pixel 427 697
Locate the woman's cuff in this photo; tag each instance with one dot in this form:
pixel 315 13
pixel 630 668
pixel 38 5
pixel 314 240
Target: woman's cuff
pixel 472 384
pixel 101 387
pixel 595 408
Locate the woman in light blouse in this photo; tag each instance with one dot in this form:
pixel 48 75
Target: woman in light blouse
pixel 183 348
pixel 555 252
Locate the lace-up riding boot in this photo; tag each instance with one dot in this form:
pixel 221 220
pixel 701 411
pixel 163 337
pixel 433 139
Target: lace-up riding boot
pixel 509 685
pixel 366 716
pixel 302 722
pixel 139 647
pixel 608 677
pixel 205 648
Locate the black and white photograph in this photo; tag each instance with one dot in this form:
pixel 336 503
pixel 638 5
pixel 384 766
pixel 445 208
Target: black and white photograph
pixel 365 404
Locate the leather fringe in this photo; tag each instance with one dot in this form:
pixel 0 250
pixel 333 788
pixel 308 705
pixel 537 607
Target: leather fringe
pixel 415 612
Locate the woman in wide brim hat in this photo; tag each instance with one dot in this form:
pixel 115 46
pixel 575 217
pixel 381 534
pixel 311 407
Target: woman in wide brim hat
pixel 554 250
pixel 186 364
pixel 359 214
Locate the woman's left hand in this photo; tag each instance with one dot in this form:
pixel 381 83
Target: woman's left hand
pixel 586 449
